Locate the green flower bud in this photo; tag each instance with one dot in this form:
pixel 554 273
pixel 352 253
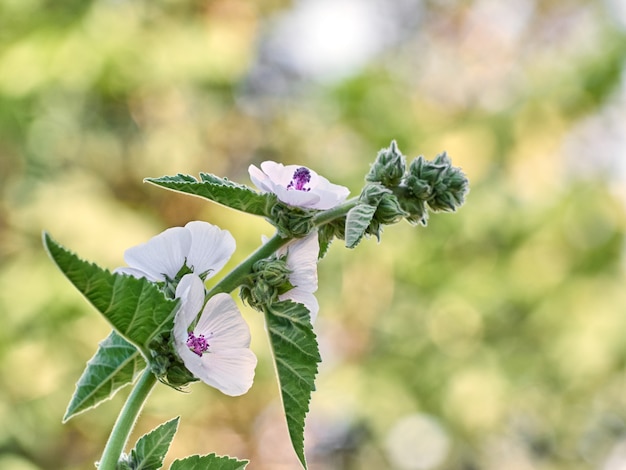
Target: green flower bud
pixel 263 294
pixel 273 271
pixel 178 375
pixel 389 210
pixel 269 279
pixel 413 206
pixel 420 189
pixel 388 168
pixel 450 191
pixel 291 221
pixel 372 193
pixel 166 365
pixel 417 211
pixel 439 184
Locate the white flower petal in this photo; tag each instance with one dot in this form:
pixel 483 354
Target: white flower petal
pixel 260 179
pixel 302 262
pixel 228 365
pixel 211 247
pixel 275 178
pixel 279 173
pixel 307 199
pixel 162 255
pixel 330 194
pixel 138 273
pixel 190 291
pixel 231 371
pixel 222 324
pixel 302 257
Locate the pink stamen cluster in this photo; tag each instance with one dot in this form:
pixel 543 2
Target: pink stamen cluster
pixel 300 177
pixel 197 344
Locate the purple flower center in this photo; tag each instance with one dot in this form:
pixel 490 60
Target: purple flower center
pixel 197 344
pixel 300 177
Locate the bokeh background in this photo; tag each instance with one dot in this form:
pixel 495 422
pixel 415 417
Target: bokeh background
pixel 492 338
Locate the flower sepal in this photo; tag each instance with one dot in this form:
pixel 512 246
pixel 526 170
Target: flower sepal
pixel 442 186
pixel 269 279
pixel 290 221
pixel 388 168
pixel 166 364
pixel 389 210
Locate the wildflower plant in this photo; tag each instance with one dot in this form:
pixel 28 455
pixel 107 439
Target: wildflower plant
pixel 168 327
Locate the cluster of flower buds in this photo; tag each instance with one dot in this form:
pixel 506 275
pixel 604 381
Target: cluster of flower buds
pixel 433 184
pixel 269 279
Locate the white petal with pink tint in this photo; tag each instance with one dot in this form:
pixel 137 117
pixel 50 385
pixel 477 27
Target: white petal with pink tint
pixel 227 364
pixel 302 255
pixel 201 246
pixel 318 193
pixel 163 255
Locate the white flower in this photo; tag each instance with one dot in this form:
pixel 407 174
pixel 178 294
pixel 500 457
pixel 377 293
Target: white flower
pixel 302 262
pixel 297 185
pixel 216 350
pixel 203 247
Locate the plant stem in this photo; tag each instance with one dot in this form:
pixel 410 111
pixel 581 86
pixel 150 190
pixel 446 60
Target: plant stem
pixel 126 420
pixel 336 212
pixel 234 278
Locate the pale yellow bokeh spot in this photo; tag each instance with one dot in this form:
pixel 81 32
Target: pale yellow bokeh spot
pixel 477 399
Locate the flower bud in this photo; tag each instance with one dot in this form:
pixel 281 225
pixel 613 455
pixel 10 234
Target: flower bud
pixel 372 193
pixel 273 271
pixel 292 222
pixel 166 365
pixel 388 168
pixel 269 278
pixel 389 210
pixel 437 183
pixel 263 294
pixel 417 211
pixel 449 194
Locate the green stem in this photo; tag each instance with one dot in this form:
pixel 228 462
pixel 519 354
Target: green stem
pixel 234 278
pixel 126 420
pixel 128 416
pixel 336 212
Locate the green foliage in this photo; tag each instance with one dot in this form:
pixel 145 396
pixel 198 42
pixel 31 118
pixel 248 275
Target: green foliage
pixel 208 462
pixel 292 221
pixel 151 448
pixel 388 168
pixel 357 222
pixel 458 314
pixel 219 190
pixel 327 232
pixel 296 355
pixel 136 308
pixel 442 186
pixel 116 364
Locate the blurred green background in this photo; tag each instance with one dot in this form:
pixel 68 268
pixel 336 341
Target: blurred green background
pixel 493 338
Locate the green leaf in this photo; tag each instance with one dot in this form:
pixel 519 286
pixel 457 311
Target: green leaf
pixel 357 221
pixel 151 448
pixel 329 231
pixel 296 354
pixel 116 364
pixel 220 190
pixel 211 462
pixel 136 308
